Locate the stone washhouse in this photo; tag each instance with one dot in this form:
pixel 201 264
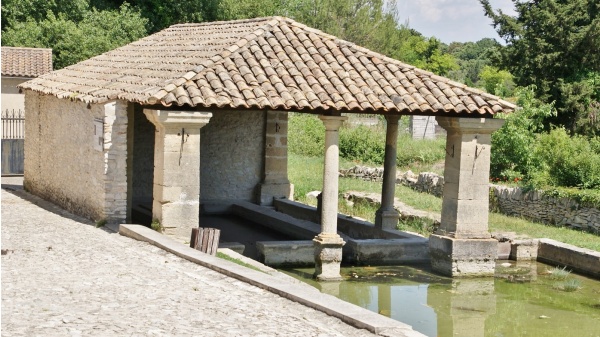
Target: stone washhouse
pixel 194 119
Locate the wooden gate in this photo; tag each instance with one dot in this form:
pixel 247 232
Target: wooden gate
pixel 13 141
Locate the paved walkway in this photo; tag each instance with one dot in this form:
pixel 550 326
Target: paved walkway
pixel 61 276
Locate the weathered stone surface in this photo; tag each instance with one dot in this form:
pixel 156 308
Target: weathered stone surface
pixel 463 257
pixel 328 256
pixel 62 156
pixel 524 250
pixel 583 260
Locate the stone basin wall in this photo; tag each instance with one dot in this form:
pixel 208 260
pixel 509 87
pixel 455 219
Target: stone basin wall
pixel 512 201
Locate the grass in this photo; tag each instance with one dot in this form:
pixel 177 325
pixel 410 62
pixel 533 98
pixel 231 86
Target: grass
pixel 306 173
pixel 559 273
pixel 237 261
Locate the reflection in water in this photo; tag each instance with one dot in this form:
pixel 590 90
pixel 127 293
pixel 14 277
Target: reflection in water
pixel 522 300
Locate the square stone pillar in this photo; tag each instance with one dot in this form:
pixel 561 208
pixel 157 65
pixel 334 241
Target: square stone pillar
pixel 176 189
pixel 462 245
pixel 386 216
pixel 275 182
pixel 328 244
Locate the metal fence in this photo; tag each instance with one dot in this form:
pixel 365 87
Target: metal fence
pixel 13 124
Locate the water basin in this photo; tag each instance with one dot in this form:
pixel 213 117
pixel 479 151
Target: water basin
pixel 523 300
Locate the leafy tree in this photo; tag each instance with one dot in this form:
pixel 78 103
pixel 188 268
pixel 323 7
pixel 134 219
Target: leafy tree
pixel 498 82
pixel 74 41
pixel 513 144
pixel 472 58
pixel 553 44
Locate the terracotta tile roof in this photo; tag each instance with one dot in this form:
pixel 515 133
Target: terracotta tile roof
pixel 26 62
pixel 266 63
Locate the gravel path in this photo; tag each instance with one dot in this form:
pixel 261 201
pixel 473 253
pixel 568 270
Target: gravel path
pixel 61 276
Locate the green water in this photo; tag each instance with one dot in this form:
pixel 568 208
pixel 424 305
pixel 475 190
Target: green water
pixel 522 300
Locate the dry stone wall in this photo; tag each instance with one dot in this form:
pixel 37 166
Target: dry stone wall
pixel 512 201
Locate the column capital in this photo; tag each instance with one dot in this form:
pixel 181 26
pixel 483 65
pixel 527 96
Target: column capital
pixel 392 119
pixel 182 119
pixel 469 125
pixel 332 123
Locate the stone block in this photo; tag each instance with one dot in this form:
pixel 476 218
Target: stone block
pixel 524 250
pixel 463 257
pixel 286 253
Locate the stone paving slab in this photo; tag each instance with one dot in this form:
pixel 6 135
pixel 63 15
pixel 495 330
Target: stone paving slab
pixel 61 276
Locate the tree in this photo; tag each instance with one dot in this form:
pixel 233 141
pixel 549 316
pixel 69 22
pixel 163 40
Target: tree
pixel 73 41
pixel 497 82
pixel 553 44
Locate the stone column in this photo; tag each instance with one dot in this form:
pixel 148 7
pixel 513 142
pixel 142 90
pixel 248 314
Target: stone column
pixel 328 244
pixel 275 182
pixel 462 245
pixel 176 189
pixel 386 216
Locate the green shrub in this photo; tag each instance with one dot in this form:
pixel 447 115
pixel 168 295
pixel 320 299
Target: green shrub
pixel 362 143
pixel 425 151
pixel 566 161
pixel 513 143
pixel 306 135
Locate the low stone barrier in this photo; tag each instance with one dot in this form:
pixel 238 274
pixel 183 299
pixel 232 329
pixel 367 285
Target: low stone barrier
pixel 514 201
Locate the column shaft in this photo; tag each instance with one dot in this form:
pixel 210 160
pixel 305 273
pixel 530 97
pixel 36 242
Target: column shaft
pixel 328 244
pixel 275 182
pixel 387 216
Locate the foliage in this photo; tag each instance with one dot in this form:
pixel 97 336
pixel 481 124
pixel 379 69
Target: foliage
pixel 74 41
pixel 306 135
pixel 497 82
pixel 565 161
pixel 553 45
pixel 157 226
pixel 513 144
pixel 472 57
pixel 362 144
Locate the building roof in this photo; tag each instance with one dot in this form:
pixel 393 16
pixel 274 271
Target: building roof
pixel 26 62
pixel 266 63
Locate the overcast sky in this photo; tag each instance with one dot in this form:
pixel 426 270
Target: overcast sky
pixel 451 20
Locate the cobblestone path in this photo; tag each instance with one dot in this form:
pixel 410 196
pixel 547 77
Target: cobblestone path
pixel 61 276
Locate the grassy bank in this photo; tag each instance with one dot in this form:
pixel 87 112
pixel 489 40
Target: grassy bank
pixel 306 175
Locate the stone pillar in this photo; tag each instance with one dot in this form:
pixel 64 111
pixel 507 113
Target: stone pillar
pixel 275 182
pixel 386 216
pixel 462 245
pixel 328 244
pixel 176 189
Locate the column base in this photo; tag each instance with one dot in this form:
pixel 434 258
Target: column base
pixel 386 219
pixel 177 219
pixel 463 257
pixel 268 191
pixel 328 257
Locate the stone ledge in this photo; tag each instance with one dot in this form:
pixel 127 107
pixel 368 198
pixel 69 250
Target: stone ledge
pixel 301 293
pixel 581 260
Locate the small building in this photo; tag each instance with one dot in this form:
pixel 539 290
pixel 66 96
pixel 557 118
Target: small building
pixel 18 65
pixel 194 118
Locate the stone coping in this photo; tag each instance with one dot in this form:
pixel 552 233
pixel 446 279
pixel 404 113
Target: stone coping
pixel 581 260
pixel 297 292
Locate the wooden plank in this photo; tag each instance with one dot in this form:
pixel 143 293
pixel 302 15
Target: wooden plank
pixel 194 238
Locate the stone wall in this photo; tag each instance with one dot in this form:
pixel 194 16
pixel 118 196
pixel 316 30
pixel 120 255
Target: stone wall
pixel 535 206
pixel 232 155
pixel 64 162
pixel 512 201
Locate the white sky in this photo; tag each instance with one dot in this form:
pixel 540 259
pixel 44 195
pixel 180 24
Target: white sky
pixel 451 20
